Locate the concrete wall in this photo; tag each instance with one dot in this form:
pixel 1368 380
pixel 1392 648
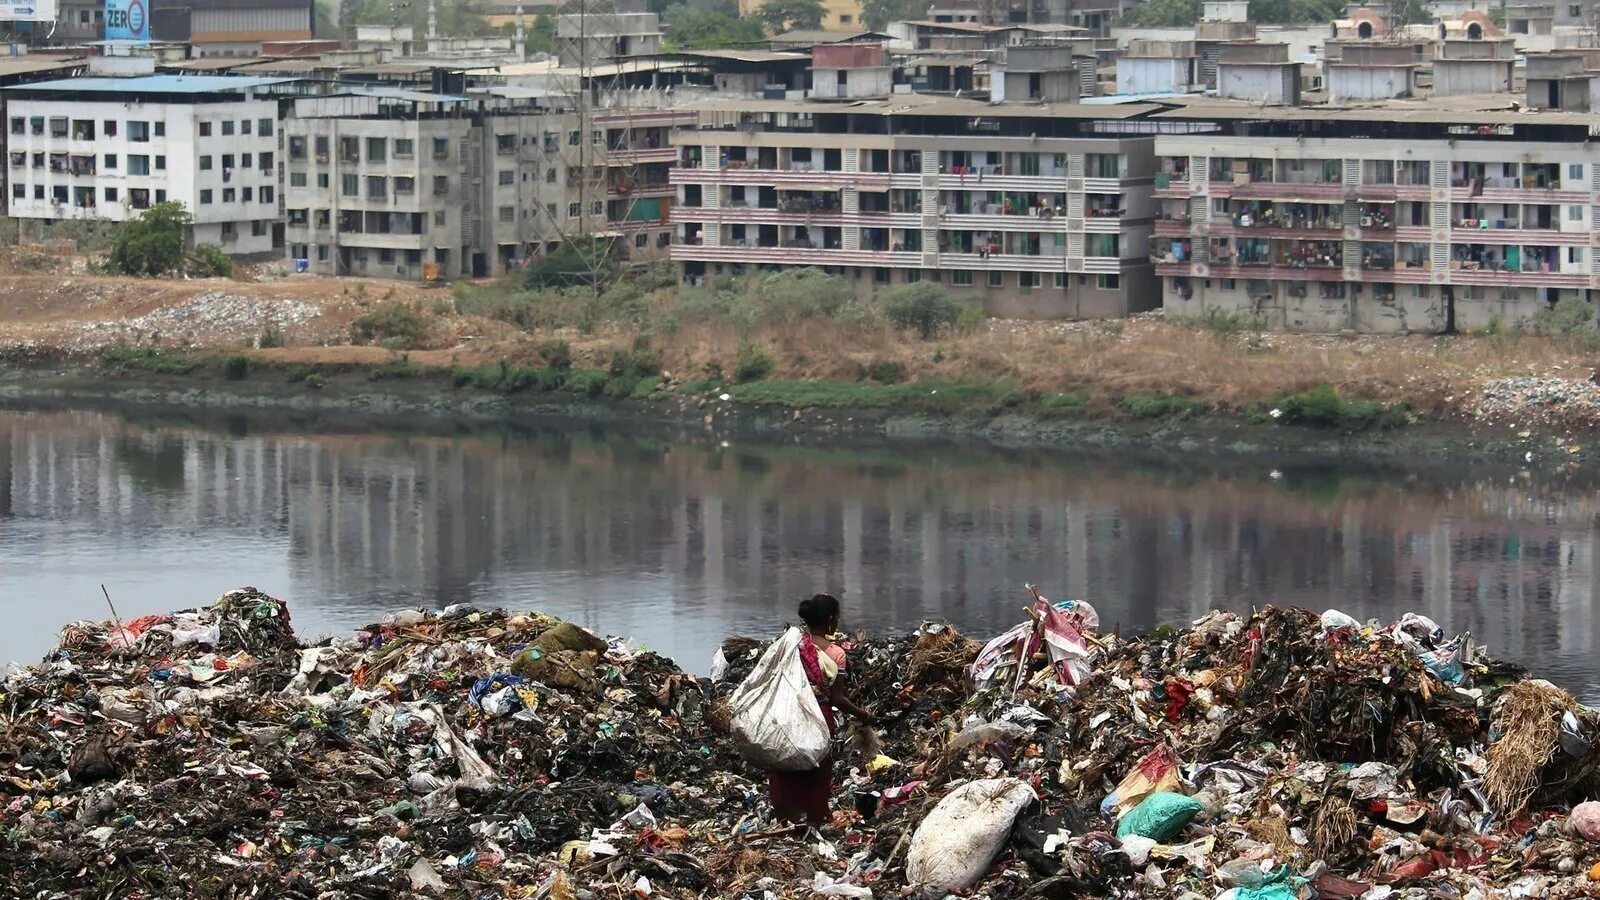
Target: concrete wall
pixel 1261 84
pixel 1152 76
pixel 1368 83
pixel 1487 77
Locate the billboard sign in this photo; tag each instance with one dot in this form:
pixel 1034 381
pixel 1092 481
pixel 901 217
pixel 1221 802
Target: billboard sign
pixel 128 20
pixel 28 11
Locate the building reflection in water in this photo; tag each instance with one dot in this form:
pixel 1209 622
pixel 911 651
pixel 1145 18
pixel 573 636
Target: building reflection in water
pixel 678 545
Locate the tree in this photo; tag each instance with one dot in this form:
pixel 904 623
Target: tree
pixel 923 307
pixel 542 34
pixel 875 14
pixel 1163 14
pixel 579 262
pixel 786 15
pixel 153 243
pixel 711 30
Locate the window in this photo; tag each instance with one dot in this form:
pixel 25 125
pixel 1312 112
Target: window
pixel 350 185
pixel 205 129
pixel 550 210
pixel 109 128
pixel 573 209
pixel 297 148
pixel 246 159
pixel 997 279
pixel 550 176
pixel 38 192
pixel 297 179
pixel 438 218
pixel 1108 282
pixel 880 276
pixel 111 195
pixel 161 195
pixel 377 149
pixel 244 126
pixel 322 180
pixel 1029 163
pixel 507 177
pixel 1061 280
pixel 441 185
pixel 1575 171
pixel 508 213
pixel 161 129
pixel 597 137
pixel 641 240
pixel 322 147
pixel 258 228
pixel 247 194
pixel 264 127
pixel 597 207
pixel 19 192
pixel 138 165
pixel 961 278
pixel 1028 279
pixel 377 187
pixel 205 163
pixel 227 162
pixel 36 125
pixel 83 129
pixel 404 148
pixel 1575 11
pixel 111 160
pixel 229 195
pixel 441 148
pixel 18 126
pixel 1574 214
pixel 268 194
pixel 405 185
pixel 205 197
pixel 227 128
pixel 58 126
pixel 845 20
pixel 38 161
pixel 266 162
pixel 322 253
pixel 573 138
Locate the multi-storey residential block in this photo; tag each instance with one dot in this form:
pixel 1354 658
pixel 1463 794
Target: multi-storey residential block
pixel 1037 210
pixel 109 148
pixel 409 184
pixel 1408 216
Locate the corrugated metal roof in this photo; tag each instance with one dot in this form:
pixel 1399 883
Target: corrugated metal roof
pixel 152 84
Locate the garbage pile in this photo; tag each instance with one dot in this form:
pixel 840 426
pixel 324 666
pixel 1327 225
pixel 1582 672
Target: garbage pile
pixel 476 753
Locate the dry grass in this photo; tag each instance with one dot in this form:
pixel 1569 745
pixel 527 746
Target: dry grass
pixel 940 657
pixel 1333 827
pixel 739 864
pixel 1528 718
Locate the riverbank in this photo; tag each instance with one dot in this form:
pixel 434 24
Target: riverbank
pixel 346 345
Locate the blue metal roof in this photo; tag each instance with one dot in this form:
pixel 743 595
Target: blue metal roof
pixel 152 84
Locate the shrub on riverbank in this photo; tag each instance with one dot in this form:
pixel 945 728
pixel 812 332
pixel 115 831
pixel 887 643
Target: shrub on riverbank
pixel 1324 407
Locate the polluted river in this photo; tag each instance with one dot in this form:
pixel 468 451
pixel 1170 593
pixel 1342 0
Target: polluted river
pixel 504 663
pixel 679 545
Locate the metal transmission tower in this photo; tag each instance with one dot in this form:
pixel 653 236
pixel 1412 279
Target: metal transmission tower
pixel 589 83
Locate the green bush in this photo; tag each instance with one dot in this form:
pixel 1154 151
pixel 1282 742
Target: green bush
pixel 577 262
pixel 149 359
pixel 556 354
pixel 636 363
pixel 207 261
pixel 885 371
pixel 752 364
pixel 297 374
pixel 923 307
pixel 1074 400
pixel 1224 322
pixel 398 326
pixel 971 319
pixel 1158 406
pixel 1323 407
pixel 153 243
pixel 1570 316
pixel 271 336
pixel 395 369
pixel 236 368
pixel 316 381
pixel 591 382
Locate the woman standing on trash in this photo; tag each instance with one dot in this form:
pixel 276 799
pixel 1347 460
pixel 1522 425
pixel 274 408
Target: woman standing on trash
pixel 803 796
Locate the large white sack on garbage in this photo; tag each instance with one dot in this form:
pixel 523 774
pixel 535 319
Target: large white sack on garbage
pixel 953 847
pixel 776 722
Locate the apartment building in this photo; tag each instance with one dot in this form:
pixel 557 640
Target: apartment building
pixel 110 148
pixel 1037 210
pixel 1408 216
pixel 406 184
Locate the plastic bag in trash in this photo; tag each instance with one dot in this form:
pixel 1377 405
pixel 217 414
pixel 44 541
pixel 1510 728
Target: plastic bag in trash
pixel 1155 771
pixel 1333 618
pixel 776 722
pixel 1371 780
pixel 1159 816
pixel 954 845
pixel 823 886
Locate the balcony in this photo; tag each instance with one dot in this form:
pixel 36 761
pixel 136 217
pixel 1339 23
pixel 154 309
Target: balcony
pixel 793 256
pixel 779 178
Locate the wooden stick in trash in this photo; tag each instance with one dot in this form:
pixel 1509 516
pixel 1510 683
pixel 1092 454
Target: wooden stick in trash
pixel 115 619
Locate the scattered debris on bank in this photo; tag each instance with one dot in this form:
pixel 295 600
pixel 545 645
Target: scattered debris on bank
pixel 1539 401
pixel 474 753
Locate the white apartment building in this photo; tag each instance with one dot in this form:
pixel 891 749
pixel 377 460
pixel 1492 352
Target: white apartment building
pixel 110 148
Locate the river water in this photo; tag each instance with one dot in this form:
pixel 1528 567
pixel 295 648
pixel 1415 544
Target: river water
pixel 677 544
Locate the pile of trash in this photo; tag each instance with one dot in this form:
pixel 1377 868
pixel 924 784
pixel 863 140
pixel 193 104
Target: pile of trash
pixel 475 753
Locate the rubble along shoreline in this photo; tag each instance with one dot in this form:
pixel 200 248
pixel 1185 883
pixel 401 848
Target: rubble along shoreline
pixel 698 418
pixel 482 753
